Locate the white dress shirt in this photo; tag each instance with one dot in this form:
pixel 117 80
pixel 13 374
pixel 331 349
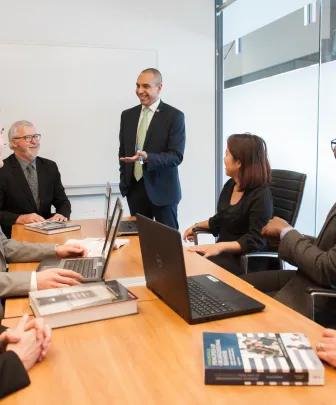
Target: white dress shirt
pixel 33 282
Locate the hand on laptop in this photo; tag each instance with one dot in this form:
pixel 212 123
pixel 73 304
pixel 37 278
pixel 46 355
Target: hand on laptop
pixel 206 250
pixel 29 219
pixel 58 218
pixel 57 278
pixel 71 250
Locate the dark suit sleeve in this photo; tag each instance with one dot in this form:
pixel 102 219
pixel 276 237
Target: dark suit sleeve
pixel 13 375
pixel 121 150
pixel 7 219
pixel 318 265
pixel 260 212
pixel 173 156
pixel 60 200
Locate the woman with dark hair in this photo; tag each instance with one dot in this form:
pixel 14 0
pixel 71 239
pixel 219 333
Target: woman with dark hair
pixel 244 206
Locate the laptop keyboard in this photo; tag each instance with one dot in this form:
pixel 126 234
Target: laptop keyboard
pixel 203 303
pixel 128 226
pixel 82 266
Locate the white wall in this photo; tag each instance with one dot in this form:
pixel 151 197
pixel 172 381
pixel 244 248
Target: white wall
pixel 185 57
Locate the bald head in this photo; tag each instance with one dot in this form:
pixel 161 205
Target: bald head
pixel 157 75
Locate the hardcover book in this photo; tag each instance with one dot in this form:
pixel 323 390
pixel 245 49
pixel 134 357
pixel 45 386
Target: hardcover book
pixel 260 359
pixel 84 303
pixel 52 227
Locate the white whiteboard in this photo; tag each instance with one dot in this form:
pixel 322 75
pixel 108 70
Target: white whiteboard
pixel 74 96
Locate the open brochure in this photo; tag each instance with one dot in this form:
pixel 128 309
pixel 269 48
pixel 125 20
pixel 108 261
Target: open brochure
pixel 94 246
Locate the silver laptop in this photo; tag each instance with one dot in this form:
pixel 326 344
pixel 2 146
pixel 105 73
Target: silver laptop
pixel 91 268
pixel 127 227
pixel 108 194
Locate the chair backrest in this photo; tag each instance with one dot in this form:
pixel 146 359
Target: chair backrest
pixel 287 190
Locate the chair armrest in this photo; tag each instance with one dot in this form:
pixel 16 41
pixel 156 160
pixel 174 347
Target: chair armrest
pixel 328 292
pixel 313 292
pixel 245 258
pixel 198 230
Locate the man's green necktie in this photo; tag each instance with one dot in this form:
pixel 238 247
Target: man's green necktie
pixel 141 136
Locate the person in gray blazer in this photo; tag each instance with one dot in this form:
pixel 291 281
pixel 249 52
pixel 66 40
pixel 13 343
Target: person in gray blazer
pixel 20 283
pixel 316 262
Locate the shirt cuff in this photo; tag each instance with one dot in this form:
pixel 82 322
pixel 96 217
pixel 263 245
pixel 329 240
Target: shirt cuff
pixel 33 282
pixel 284 231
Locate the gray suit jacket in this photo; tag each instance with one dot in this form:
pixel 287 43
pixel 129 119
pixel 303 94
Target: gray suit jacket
pixel 11 251
pixel 316 262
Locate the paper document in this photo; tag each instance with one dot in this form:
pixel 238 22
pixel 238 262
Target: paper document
pixel 94 246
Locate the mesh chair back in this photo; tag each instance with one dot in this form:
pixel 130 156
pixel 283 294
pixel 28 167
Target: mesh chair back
pixel 287 190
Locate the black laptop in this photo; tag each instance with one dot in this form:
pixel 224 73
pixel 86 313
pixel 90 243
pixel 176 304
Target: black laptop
pixel 196 299
pixel 91 268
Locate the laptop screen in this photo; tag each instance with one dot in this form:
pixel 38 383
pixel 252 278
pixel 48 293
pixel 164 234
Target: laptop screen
pixel 113 229
pixel 108 194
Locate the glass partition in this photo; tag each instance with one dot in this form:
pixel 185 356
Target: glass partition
pixel 278 63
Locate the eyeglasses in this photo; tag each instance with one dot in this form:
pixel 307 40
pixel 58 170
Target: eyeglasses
pixel 333 144
pixel 29 138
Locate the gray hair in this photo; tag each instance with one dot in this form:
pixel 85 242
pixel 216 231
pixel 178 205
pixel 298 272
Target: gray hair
pixel 12 133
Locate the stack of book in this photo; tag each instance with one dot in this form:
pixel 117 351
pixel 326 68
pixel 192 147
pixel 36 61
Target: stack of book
pixel 85 303
pixel 52 227
pixel 260 359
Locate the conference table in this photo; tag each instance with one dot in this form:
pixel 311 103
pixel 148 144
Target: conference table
pixel 153 357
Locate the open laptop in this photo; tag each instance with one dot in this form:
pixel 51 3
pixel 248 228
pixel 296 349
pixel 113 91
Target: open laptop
pixel 108 194
pixel 196 299
pixel 127 227
pixel 91 268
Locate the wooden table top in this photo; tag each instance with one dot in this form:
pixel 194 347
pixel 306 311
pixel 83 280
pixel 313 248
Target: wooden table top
pixel 124 262
pixel 155 357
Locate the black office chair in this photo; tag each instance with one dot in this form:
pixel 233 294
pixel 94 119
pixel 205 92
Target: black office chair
pixel 314 292
pixel 287 190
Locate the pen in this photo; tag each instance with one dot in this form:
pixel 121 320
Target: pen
pixel 140 157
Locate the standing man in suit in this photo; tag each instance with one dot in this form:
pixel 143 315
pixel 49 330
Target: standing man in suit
pixel 152 141
pixel 29 185
pixel 316 262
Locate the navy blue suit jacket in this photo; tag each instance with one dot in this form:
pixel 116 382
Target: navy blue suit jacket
pixel 164 144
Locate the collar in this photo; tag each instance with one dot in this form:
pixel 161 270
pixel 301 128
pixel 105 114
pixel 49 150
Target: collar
pixel 25 164
pixel 152 107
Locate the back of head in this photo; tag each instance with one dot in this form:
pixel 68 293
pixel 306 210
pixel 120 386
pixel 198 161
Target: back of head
pixel 251 151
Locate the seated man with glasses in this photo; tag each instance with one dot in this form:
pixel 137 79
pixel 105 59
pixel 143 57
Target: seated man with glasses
pixel 29 185
pixel 316 262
